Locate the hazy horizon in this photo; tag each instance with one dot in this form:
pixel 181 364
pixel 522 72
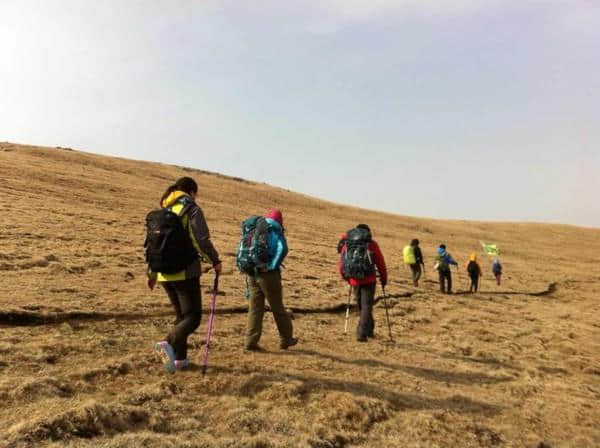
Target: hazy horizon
pixel 445 110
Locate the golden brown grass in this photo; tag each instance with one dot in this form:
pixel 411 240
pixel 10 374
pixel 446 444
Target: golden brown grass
pixel 515 365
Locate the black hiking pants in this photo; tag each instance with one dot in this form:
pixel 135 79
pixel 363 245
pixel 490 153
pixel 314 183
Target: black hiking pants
pixel 416 273
pixel 185 296
pixel 474 283
pixel 365 298
pixel 445 278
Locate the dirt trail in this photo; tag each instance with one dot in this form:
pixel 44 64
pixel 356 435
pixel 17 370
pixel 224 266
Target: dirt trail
pixel 513 365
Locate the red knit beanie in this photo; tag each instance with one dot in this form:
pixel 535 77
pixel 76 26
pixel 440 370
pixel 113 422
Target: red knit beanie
pixel 276 215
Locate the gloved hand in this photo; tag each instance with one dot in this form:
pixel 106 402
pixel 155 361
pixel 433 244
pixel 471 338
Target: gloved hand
pixel 151 283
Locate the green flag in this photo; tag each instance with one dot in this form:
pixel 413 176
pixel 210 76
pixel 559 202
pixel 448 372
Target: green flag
pixel 490 249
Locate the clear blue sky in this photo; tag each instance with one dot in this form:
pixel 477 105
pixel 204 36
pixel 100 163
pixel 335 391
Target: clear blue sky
pixel 485 110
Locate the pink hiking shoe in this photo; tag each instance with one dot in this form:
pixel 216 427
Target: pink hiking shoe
pixel 181 363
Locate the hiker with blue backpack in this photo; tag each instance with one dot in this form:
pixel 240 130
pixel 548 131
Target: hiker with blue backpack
pixel 443 260
pixel 260 254
pixel 359 257
pixel 497 270
pixel 177 239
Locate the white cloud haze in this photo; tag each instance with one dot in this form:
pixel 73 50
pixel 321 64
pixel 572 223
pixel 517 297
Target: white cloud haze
pixel 455 109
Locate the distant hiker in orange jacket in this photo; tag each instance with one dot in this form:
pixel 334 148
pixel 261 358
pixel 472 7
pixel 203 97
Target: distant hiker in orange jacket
pixel 359 256
pixel 474 271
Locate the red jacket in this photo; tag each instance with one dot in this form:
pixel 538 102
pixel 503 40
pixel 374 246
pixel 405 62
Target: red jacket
pixel 379 262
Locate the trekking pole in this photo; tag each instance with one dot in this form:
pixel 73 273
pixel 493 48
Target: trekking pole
pixel 348 310
pixel 209 327
pixel 387 316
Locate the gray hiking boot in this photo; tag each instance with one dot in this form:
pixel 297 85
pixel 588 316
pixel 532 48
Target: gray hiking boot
pixel 167 353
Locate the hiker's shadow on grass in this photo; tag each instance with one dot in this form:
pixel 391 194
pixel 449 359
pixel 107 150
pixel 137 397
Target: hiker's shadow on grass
pixel 518 293
pixel 442 376
pixel 397 295
pixel 551 289
pixel 262 380
pixel 490 361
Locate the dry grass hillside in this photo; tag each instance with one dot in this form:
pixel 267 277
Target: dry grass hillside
pixel 514 365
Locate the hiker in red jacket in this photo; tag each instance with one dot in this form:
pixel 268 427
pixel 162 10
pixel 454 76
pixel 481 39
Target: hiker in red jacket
pixel 359 256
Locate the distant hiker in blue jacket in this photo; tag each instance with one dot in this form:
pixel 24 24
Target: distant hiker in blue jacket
pixel 497 270
pixel 443 262
pixel 266 284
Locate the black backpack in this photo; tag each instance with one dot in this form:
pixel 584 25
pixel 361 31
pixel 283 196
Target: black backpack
pixel 341 244
pixel 473 269
pixel 357 260
pixel 169 248
pixel 253 249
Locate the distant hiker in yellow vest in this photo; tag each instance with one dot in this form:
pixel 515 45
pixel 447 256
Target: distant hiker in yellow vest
pixel 414 259
pixel 177 237
pixel 474 271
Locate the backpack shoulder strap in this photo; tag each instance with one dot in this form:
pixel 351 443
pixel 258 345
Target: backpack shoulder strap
pixel 186 204
pixel 184 211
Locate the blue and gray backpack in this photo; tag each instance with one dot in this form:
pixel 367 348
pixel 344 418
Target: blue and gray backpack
pixel 253 249
pixel 357 261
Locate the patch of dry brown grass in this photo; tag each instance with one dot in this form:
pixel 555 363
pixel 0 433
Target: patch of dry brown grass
pixel 515 365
